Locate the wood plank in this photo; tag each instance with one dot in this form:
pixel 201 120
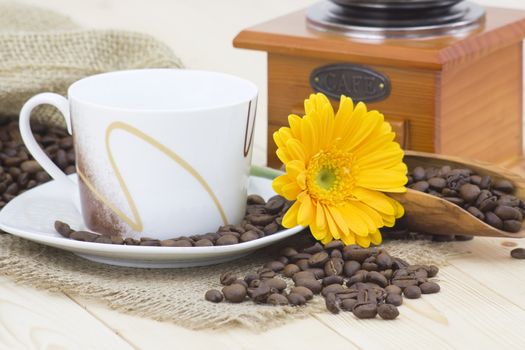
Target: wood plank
pixel 149 334
pixel 33 319
pixel 490 263
pixel 466 314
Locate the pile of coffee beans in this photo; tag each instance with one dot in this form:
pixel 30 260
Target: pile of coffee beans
pixel 365 281
pixel 18 170
pixel 261 219
pixel 490 200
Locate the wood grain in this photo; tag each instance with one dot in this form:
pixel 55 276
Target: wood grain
pixel 479 109
pixel 148 334
pixel 32 319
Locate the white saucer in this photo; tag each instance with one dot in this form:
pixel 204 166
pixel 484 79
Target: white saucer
pixel 32 215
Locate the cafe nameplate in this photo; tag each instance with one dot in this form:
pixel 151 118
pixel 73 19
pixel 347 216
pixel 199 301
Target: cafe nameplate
pixel 358 82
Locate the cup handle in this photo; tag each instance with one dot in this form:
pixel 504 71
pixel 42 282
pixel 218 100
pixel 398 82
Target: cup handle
pixel 34 148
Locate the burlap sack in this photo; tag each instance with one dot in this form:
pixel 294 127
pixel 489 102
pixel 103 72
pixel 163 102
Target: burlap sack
pixel 43 51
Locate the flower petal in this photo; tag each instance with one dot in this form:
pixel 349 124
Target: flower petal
pixel 376 237
pixel 290 218
pixel 381 179
pixel 374 199
pixel 295 149
pixel 354 220
pixel 318 232
pixel 306 211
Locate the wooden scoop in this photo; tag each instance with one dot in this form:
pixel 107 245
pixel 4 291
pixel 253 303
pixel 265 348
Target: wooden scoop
pixel 430 214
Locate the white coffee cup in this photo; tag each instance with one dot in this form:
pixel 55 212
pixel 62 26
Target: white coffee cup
pixel 160 153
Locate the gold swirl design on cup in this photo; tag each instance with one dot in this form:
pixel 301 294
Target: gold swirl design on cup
pixel 248 142
pixel 136 222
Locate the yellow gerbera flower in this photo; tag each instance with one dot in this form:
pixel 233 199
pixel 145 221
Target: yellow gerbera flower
pixel 337 168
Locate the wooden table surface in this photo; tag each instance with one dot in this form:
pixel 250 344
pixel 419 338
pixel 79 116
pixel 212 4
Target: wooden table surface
pixel 481 306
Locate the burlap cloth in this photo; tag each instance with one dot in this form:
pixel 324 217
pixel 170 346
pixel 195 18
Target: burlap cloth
pixel 43 51
pixel 174 295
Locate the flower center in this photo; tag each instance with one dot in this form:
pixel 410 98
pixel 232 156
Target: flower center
pixel 329 176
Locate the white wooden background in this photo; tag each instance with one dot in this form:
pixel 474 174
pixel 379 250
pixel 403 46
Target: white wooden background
pixel 482 303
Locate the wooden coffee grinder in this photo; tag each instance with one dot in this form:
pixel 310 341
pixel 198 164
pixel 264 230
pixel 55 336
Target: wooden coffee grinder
pixel 446 73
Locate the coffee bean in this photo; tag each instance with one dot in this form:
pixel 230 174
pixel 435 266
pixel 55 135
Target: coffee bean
pixel 117 239
pixel 261 220
pixel 469 192
pixel 418 173
pixel 318 272
pixel 509 200
pixel 296 299
pixel 214 296
pixel 276 283
pixel 384 261
pixel 412 292
pixel 332 288
pixel 290 269
pixel 316 248
pixel 274 205
pixel 300 256
pixel 84 236
pixel 476 213
pixel 488 204
pixel 277 299
pixel 421 186
pixel 227 240
pixel 255 199
pixel 234 293
pixel 335 244
pixel 303 275
pixel 303 264
pixel 508 213
pixel 331 303
pixel 365 311
pixel 266 273
pixel 249 236
pixel 347 304
pixel 437 183
pixel 429 287
pixel 512 226
pixel 103 240
pixel 493 220
pixel 504 186
pixel 271 228
pixel 432 271
pixel 274 265
pixel 181 243
pixel 333 267
pixel 332 280
pixel 377 278
pixel 227 278
pixel 259 294
pixel 305 292
pixel 288 252
pixel 394 299
pixel 204 243
pixel 518 253
pixel 319 259
pixel 351 267
pixel 312 284
pixel 242 282
pixel 369 266
pixel 63 228
pixel 336 254
pixel 485 182
pixel 387 311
